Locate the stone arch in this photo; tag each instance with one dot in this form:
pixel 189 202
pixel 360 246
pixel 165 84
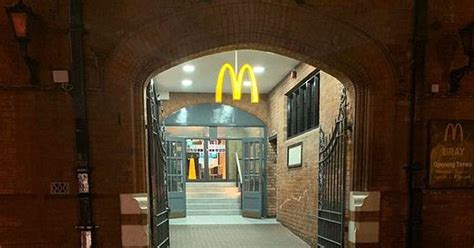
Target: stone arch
pixel 357 60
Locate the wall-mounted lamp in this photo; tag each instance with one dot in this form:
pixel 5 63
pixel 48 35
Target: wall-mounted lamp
pixel 21 17
pixel 467 38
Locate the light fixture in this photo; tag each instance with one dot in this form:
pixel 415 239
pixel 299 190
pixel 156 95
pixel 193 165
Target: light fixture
pixel 186 82
pixel 188 68
pixel 20 16
pixel 467 38
pixel 247 83
pixel 258 69
pixel 294 74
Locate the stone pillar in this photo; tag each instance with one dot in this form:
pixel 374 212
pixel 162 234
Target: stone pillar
pixel 134 220
pixel 364 219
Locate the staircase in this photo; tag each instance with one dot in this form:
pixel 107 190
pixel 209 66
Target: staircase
pixel 212 198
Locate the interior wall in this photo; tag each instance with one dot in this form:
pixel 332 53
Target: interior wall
pixel 297 187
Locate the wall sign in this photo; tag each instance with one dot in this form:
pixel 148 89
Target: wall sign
pixel 295 155
pixel 451 154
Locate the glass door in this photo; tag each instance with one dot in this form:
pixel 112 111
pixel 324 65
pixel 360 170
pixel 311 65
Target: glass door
pixel 252 172
pixel 176 181
pixel 217 160
pixel 195 160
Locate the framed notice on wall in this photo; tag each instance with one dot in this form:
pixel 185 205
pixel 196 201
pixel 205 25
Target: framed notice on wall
pixel 295 155
pixel 451 154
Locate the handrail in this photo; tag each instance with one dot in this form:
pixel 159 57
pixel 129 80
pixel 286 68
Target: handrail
pixel 238 167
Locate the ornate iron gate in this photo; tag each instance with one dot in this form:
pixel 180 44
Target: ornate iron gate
pixel 159 226
pixel 332 167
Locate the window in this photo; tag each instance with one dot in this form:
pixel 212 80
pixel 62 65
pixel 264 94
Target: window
pixel 303 105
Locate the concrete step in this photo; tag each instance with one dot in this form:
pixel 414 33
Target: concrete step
pixel 210 184
pixel 213 206
pixel 194 195
pixel 213 189
pixel 213 200
pixel 212 212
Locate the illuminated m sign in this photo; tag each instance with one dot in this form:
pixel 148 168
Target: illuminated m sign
pixel 454 130
pixel 236 82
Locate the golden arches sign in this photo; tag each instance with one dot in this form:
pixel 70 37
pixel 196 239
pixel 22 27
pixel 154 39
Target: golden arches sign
pixel 454 129
pixel 236 82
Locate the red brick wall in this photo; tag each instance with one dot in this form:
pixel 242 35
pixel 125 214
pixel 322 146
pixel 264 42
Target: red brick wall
pixel 297 187
pixel 367 45
pixel 272 154
pixel 447 219
pixel 36 136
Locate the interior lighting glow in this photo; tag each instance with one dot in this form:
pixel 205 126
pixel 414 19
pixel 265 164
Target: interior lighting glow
pixel 259 69
pixel 186 82
pixel 188 68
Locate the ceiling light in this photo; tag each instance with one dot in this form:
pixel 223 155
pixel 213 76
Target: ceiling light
pixel 247 83
pixel 258 69
pixel 186 82
pixel 188 68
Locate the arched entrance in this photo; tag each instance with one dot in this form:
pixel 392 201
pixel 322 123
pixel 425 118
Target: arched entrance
pixel 204 143
pixel 356 59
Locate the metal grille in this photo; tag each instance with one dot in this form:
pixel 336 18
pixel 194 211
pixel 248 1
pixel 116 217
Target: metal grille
pixel 59 188
pixel 159 235
pixel 332 164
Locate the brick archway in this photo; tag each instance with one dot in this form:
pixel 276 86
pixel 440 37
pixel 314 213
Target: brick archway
pixel 344 51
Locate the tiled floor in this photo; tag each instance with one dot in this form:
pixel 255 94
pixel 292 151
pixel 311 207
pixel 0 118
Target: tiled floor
pixel 232 232
pixel 220 220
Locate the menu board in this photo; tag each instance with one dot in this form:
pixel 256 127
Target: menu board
pixel 451 154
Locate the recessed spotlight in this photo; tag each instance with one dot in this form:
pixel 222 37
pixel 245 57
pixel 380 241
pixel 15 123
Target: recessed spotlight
pixel 258 69
pixel 188 68
pixel 186 82
pixel 247 83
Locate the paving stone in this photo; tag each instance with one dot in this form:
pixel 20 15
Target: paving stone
pixel 235 236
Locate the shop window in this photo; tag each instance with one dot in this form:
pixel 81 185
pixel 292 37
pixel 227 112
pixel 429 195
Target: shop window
pixel 303 105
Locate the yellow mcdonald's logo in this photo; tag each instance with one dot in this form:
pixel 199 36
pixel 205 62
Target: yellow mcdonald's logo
pixel 454 131
pixel 236 82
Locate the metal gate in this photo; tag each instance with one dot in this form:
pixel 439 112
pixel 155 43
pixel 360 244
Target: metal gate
pixel 158 200
pixel 332 167
pixel 252 173
pixel 176 159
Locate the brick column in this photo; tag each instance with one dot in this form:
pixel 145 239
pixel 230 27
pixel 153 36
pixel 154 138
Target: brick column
pixel 364 219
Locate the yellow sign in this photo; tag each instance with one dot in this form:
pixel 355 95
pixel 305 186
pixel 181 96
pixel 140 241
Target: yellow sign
pixel 192 169
pixel 451 154
pixel 236 82
pixel 454 129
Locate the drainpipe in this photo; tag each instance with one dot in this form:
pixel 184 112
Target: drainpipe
pixel 415 194
pixel 86 224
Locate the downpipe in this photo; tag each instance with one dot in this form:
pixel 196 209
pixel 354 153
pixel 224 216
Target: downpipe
pixel 413 224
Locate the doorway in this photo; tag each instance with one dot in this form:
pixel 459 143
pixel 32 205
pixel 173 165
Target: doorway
pixel 239 162
pixel 207 160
